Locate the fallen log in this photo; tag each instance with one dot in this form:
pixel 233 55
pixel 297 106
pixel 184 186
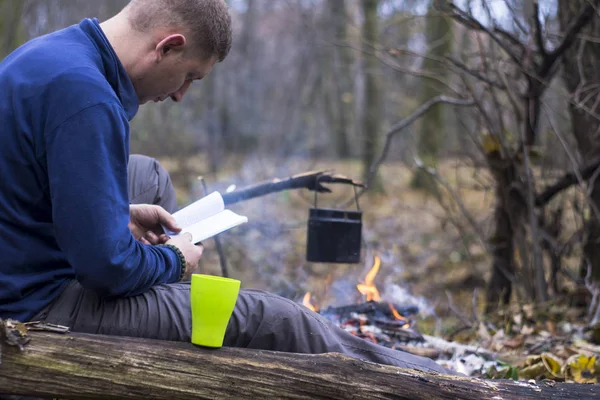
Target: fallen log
pixel 80 366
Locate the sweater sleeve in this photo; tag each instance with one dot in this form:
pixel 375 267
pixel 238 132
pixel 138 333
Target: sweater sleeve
pixel 87 167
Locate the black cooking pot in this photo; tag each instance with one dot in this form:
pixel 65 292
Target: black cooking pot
pixel 334 236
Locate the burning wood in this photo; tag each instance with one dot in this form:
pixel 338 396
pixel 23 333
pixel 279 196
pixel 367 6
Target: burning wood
pixel 375 320
pixel 394 326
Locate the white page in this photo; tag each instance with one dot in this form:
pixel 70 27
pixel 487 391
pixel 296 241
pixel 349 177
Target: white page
pixel 197 211
pixel 214 225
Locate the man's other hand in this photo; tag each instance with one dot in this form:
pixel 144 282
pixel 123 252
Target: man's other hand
pixel 145 222
pixel 191 252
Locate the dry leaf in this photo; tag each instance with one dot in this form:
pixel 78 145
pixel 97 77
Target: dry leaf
pixel 581 369
pixel 527 330
pixel 528 309
pixel 533 371
pixel 553 364
pixel 532 359
pixel 514 343
pixel 490 143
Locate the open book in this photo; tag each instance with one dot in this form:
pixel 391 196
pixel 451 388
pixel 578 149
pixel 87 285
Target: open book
pixel 206 218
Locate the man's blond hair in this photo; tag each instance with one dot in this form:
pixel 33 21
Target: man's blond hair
pixel 207 21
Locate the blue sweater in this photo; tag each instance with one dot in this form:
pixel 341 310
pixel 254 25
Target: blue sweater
pixel 65 106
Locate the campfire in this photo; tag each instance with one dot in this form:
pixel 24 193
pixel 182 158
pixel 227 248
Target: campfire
pixel 381 322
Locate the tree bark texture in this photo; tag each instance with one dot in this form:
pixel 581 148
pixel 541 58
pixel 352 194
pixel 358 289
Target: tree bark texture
pixel 499 287
pixel 372 107
pixel 433 129
pixel 10 25
pixel 79 366
pixel 581 73
pixel 341 82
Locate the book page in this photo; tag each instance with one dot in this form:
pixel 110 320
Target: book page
pixel 214 225
pixel 198 211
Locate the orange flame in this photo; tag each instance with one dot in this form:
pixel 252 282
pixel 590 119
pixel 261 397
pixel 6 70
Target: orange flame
pixel 306 302
pixel 398 316
pixel 368 288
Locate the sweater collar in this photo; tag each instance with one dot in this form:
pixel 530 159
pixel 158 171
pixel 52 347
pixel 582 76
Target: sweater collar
pixel 114 71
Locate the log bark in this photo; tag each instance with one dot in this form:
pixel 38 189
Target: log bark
pixel 80 366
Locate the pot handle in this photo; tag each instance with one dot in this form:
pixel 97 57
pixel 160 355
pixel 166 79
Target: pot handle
pixel 353 187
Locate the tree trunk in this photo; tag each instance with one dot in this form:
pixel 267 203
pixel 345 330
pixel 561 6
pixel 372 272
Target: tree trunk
pixel 10 26
pixel 499 287
pixel 581 73
pixel 211 122
pixel 432 132
pixel 80 366
pixel 372 110
pixel 341 78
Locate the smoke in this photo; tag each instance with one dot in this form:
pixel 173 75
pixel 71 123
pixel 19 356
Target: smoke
pixel 400 296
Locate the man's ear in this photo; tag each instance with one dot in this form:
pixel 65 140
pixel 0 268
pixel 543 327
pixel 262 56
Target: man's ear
pixel 169 44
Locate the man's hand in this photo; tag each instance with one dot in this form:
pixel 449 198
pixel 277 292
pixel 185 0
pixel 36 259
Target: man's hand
pixel 191 252
pixel 145 223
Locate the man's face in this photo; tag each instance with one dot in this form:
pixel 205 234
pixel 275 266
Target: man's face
pixel 168 73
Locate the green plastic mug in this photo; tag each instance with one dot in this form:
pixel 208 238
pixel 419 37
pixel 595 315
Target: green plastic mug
pixel 212 300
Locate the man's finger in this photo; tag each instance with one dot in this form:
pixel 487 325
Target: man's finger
pixel 188 235
pixel 162 239
pixel 151 237
pixel 166 219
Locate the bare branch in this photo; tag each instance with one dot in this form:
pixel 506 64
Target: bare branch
pixel 540 284
pixel 512 96
pixel 576 26
pixel 394 54
pixel 476 74
pixel 566 182
pixel 470 22
pixel 401 125
pixel 539 38
pixel 456 198
pixel 510 37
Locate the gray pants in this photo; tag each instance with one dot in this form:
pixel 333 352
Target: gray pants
pixel 260 320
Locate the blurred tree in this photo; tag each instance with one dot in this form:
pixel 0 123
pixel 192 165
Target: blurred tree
pixel 438 35
pixel 372 108
pixel 341 78
pixel 581 73
pixel 13 33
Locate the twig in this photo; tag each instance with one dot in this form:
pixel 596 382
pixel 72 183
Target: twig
pixel 594 289
pixel 475 74
pixel 474 305
pixel 538 29
pixel 463 209
pixel 401 125
pixel 577 176
pixel 584 17
pixel 222 258
pixel 471 23
pixel 540 284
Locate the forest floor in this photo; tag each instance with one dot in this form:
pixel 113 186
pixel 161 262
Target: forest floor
pixel 430 257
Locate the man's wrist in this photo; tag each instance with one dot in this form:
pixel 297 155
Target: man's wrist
pixel 180 257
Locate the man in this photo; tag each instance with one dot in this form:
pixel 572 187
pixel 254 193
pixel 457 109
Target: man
pixel 73 250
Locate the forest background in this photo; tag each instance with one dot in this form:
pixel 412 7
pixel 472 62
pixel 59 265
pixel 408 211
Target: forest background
pixel 474 123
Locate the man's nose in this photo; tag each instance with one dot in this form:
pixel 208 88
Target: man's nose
pixel 178 95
